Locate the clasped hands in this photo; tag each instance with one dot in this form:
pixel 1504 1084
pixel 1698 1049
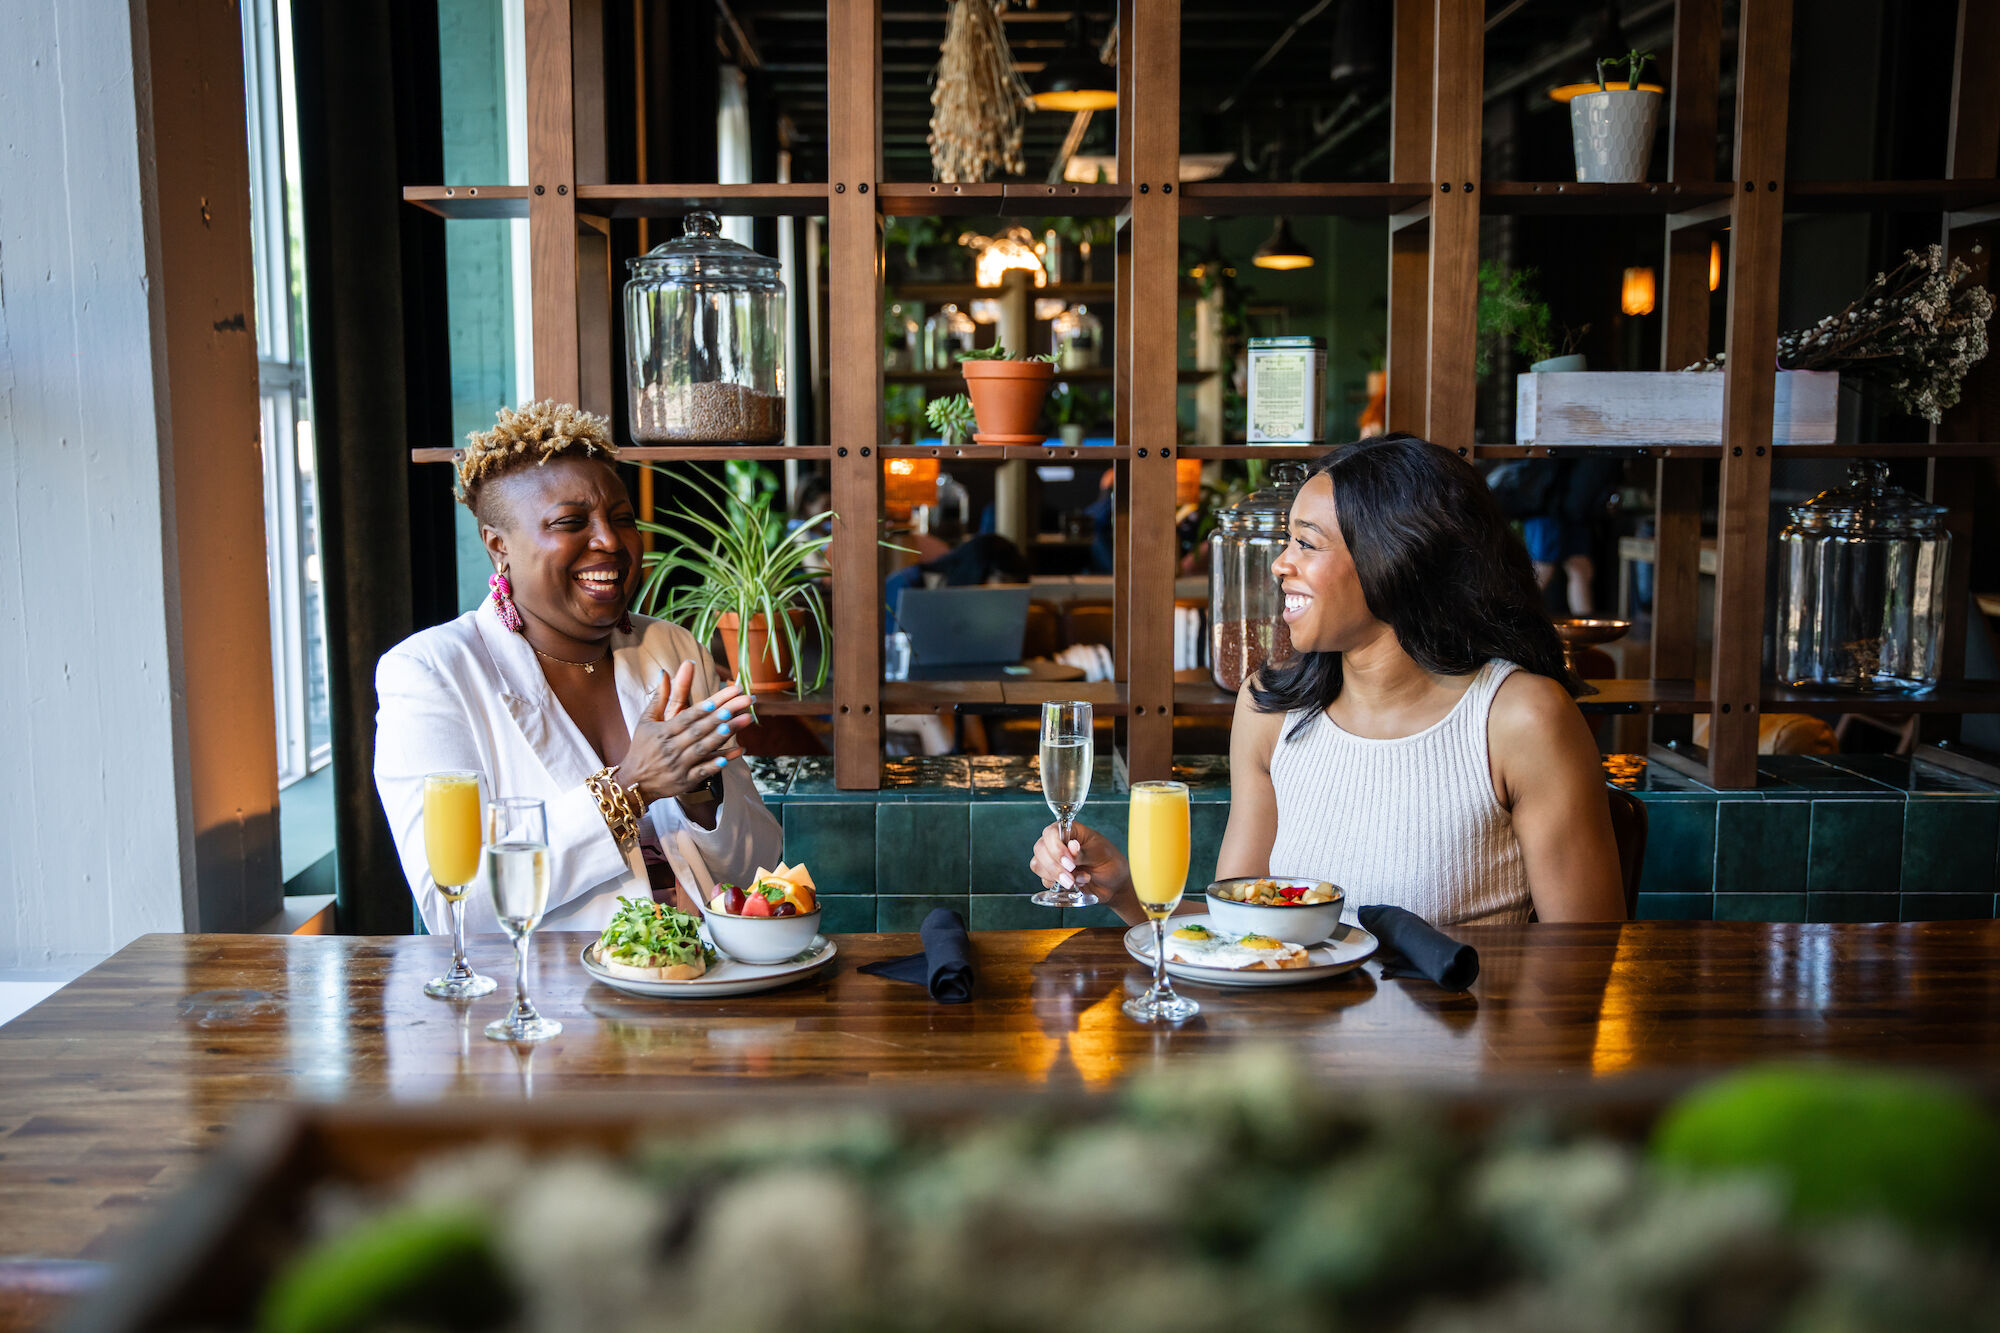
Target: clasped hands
pixel 677 746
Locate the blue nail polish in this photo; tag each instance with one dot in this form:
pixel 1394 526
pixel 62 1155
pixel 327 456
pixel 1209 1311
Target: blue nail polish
pixel 723 716
pixel 707 707
pixel 722 729
pixel 722 763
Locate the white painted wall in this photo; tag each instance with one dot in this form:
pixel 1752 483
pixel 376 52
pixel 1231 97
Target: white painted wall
pixel 98 793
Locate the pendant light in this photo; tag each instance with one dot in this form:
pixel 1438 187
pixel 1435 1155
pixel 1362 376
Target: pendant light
pixel 1076 80
pixel 1282 250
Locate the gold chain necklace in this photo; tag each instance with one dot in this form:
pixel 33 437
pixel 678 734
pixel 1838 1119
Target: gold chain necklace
pixel 589 668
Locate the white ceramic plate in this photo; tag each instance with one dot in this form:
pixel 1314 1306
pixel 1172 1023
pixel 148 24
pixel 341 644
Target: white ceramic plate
pixel 1347 950
pixel 727 977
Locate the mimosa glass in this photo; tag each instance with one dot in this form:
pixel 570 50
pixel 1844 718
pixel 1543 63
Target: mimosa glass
pixel 517 870
pixel 451 844
pixel 1156 847
pixel 1067 753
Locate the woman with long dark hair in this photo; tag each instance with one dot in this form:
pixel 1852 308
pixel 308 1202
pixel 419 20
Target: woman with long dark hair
pixel 1423 748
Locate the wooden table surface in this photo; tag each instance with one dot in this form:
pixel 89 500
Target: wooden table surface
pixel 113 1089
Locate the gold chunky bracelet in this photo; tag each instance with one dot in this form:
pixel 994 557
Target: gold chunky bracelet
pixel 617 807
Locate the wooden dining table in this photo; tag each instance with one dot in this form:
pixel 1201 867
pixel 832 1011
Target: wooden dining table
pixel 114 1090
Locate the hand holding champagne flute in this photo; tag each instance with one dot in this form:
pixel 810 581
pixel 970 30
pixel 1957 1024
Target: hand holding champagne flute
pixel 1156 848
pixel 1067 756
pixel 451 845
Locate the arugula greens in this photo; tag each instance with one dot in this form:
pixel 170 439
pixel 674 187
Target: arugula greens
pixel 649 934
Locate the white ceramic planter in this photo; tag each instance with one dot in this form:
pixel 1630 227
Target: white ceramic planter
pixel 1571 361
pixel 1613 133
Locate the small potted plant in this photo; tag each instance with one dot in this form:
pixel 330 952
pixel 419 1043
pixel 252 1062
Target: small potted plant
pixel 746 575
pixel 1074 411
pixel 1007 394
pixel 1612 127
pixel 1511 312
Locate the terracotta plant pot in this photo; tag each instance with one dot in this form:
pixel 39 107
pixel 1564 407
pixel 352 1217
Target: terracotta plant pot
pixel 770 655
pixel 1007 395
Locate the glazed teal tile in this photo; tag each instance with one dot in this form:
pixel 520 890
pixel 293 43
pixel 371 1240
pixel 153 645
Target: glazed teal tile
pixel 945 777
pixel 1810 775
pixel 1655 781
pixel 1680 846
pixel 1008 777
pixel 1949 843
pixel 1857 847
pixel 1011 911
pixel 1853 906
pixel 1206 776
pixel 1004 835
pixel 848 914
pixel 1099 915
pixel 835 840
pixel 908 913
pixel 1675 907
pixel 1931 779
pixel 773 775
pixel 1947 907
pixel 813 778
pixel 923 847
pixel 1760 846
pixel 1760 907
pixel 1206 824
pixel 1888 769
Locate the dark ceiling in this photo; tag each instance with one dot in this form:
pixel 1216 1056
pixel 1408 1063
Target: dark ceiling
pixel 1257 77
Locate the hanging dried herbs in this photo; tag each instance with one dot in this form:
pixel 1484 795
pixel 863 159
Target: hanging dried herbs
pixel 978 103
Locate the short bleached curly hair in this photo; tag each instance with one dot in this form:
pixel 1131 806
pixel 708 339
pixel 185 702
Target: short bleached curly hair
pixel 531 434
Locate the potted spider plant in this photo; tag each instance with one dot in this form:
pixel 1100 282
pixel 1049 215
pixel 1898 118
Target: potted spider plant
pixel 1612 126
pixel 1007 394
pixel 749 580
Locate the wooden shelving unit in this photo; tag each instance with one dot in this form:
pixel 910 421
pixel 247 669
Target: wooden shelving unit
pixel 1434 204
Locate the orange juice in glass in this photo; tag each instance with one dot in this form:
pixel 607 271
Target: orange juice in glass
pixel 1156 849
pixel 452 813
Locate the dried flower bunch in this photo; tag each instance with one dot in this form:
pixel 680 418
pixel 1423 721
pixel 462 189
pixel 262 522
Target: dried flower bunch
pixel 1917 330
pixel 532 434
pixel 979 103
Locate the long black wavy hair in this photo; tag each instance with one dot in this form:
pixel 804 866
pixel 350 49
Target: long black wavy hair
pixel 1438 564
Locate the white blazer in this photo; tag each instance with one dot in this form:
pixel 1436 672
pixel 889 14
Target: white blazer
pixel 470 694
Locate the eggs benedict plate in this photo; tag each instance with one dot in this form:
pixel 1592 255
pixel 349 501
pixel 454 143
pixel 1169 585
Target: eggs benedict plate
pixel 1200 951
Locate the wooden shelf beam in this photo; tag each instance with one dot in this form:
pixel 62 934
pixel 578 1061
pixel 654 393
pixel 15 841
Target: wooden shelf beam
pixel 933 199
pixel 1300 199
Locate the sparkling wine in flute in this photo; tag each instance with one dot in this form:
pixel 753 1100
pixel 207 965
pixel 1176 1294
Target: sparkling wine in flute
pixel 1067 753
pixel 1066 775
pixel 519 873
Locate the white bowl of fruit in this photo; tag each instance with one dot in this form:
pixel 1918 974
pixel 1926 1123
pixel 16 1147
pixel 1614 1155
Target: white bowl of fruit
pixel 1297 911
pixel 772 919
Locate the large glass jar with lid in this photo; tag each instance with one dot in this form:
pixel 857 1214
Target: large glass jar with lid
pixel 1079 338
pixel 705 341
pixel 1246 611
pixel 1861 587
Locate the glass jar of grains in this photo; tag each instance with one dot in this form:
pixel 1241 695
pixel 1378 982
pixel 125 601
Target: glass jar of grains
pixel 705 341
pixel 1246 610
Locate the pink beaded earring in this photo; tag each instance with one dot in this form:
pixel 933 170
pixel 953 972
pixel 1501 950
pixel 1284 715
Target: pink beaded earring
pixel 503 600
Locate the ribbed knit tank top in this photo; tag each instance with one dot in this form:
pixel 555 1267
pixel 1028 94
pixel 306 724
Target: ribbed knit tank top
pixel 1411 822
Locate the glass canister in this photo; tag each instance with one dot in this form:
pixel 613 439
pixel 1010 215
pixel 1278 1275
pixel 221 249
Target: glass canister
pixel 1079 338
pixel 705 341
pixel 1861 587
pixel 1246 611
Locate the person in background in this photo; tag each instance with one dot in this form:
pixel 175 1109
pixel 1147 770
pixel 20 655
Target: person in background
pixel 1422 749
pixel 987 558
pixel 1563 534
pixel 552 689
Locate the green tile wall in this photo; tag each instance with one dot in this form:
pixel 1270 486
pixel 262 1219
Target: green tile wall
pixel 1848 838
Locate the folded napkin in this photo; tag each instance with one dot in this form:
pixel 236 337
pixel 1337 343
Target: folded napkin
pixel 1412 947
pixel 945 965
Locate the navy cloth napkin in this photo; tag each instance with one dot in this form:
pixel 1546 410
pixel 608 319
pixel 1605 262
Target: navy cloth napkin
pixel 945 965
pixel 1412 947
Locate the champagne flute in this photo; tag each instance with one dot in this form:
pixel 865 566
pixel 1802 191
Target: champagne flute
pixel 1067 753
pixel 451 845
pixel 517 870
pixel 1157 849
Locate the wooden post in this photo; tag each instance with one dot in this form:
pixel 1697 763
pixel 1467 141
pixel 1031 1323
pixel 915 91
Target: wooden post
pixel 1408 341
pixel 1151 100
pixel 552 249
pixel 1457 106
pixel 1697 61
pixel 854 100
pixel 1736 672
